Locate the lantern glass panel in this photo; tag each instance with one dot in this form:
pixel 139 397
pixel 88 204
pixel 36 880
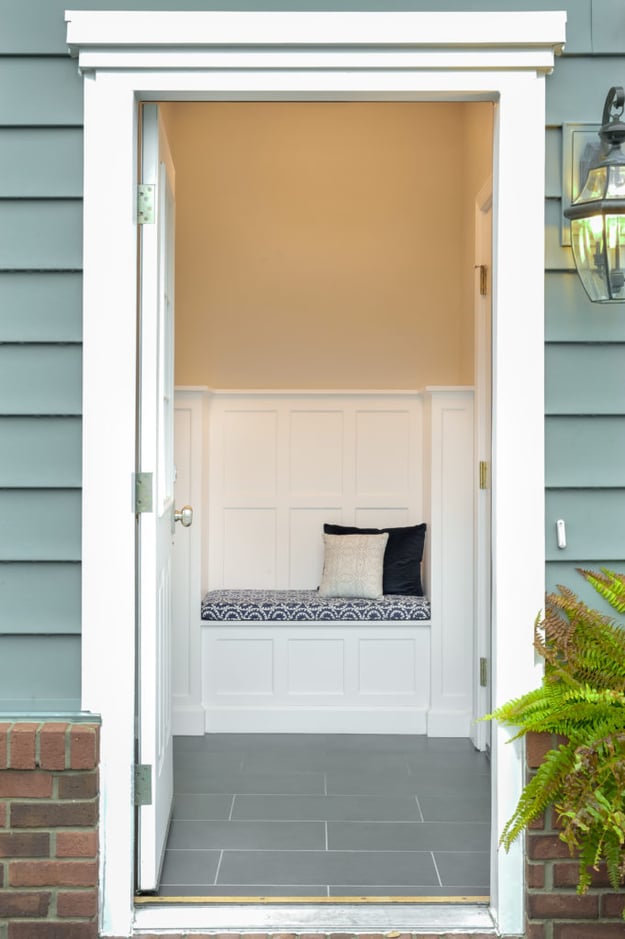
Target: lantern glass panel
pixel 595 185
pixel 616 183
pixel 588 249
pixel 615 242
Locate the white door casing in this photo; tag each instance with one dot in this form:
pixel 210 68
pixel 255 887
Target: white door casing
pixel 156 527
pixel 130 56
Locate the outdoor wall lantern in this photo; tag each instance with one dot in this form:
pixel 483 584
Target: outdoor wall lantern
pixel 598 214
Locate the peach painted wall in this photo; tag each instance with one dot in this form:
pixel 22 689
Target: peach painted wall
pixel 326 245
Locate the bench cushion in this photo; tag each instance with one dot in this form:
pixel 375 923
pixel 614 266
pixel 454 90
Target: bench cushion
pixel 308 606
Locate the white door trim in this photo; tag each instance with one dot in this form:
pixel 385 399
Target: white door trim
pixel 129 56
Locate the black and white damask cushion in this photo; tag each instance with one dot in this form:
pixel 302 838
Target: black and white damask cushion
pixel 307 606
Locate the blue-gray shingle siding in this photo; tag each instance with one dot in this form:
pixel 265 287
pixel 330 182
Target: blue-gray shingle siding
pixel 40 332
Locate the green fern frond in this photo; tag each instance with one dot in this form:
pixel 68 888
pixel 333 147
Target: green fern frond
pixel 609 585
pixel 582 697
pixel 543 789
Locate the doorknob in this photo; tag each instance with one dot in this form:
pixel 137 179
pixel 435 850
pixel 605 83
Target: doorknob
pixel 184 515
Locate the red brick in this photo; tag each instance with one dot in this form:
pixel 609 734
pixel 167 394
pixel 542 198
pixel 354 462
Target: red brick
pixel 535 875
pixel 21 785
pixel 48 930
pixel 78 785
pixel 562 906
pixel 4 744
pixel 23 904
pixel 537 824
pixel 53 874
pixel 76 844
pixel 534 931
pixel 83 747
pixel 536 747
pixel 24 844
pixel 53 814
pixel 52 746
pixel 3 815
pixel 612 904
pixel 586 931
pixel 22 752
pixel 77 903
pixel 543 847
pixel 567 875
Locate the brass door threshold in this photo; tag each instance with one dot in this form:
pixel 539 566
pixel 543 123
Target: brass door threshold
pixel 152 899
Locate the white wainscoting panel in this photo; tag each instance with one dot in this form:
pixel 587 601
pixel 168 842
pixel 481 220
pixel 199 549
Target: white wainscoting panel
pixel 281 464
pixel 451 483
pixel 316 677
pixel 249 549
pixel 316 666
pixel 316 455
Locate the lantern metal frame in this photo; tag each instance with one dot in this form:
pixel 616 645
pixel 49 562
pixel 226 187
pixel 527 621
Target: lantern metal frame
pixel 598 238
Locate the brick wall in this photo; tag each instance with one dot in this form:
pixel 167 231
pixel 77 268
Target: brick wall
pixel 48 830
pixel 553 909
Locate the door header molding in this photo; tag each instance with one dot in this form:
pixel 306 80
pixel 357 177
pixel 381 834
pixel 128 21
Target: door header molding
pixel 106 39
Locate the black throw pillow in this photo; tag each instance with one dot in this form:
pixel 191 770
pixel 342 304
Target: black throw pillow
pixel 402 558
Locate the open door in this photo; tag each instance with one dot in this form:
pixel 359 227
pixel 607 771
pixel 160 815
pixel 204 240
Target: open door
pixel 481 730
pixel 156 514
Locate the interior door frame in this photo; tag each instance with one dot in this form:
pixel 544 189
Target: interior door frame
pixel 127 57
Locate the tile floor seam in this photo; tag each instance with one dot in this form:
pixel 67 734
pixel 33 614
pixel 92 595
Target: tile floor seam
pixel 221 854
pixel 440 882
pixel 230 819
pixel 420 810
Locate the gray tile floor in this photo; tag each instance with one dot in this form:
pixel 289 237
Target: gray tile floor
pixel 325 815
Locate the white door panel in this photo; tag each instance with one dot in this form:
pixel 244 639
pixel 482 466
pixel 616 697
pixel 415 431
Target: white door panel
pixel 481 730
pixel 156 527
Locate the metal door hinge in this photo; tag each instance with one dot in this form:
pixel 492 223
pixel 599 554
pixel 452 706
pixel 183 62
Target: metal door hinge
pixel 484 475
pixel 483 672
pixel 483 280
pixel 145 203
pixel 143 784
pixel 143 492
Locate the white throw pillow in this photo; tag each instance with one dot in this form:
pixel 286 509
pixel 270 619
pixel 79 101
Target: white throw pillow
pixel 353 566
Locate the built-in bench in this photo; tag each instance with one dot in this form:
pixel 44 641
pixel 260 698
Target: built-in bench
pixel 290 660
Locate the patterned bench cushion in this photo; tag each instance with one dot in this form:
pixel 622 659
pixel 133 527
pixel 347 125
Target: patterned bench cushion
pixel 308 606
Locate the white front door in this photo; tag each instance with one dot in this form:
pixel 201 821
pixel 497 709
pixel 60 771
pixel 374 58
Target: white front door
pixel 481 730
pixel 156 524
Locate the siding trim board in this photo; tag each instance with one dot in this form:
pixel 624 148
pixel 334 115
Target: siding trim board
pixel 110 335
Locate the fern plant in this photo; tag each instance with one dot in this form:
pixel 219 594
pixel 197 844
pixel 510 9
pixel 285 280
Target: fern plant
pixel 582 699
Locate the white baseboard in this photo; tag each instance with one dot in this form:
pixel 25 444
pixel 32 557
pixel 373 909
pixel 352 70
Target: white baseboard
pixel 234 720
pixel 449 724
pixel 188 719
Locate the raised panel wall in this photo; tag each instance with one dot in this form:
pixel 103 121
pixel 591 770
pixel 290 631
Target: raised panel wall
pixel 280 466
